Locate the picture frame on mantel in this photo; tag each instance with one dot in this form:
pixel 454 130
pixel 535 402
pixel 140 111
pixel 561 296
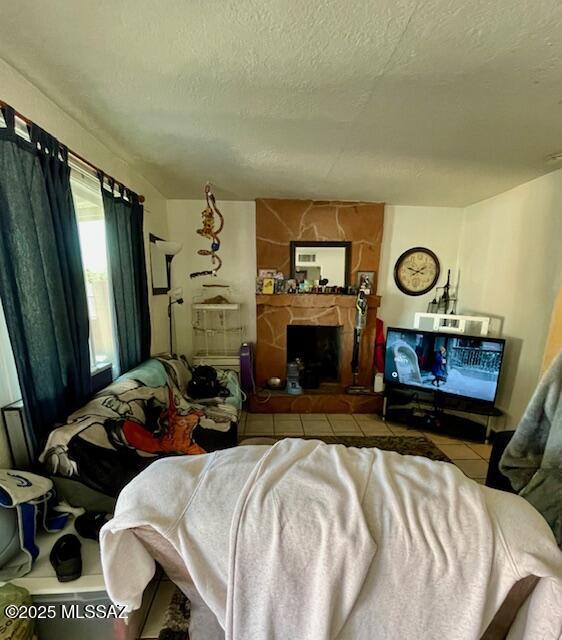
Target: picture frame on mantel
pixel 363 276
pixel 295 244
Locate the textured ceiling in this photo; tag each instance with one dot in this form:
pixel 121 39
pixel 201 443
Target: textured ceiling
pixel 441 102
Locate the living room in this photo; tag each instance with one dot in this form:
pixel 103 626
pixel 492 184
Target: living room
pixel 335 214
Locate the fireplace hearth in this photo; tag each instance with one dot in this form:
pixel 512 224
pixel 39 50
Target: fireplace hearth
pixel 317 349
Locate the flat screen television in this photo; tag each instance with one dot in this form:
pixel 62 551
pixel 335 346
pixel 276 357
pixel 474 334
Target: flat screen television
pixel 453 364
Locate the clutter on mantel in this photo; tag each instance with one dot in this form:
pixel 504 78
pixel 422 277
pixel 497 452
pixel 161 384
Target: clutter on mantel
pixel 271 282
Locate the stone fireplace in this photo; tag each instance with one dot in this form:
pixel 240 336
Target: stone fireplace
pixel 278 223
pixel 275 313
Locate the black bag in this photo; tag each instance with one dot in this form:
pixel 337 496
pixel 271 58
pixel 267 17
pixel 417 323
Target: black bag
pixel 204 383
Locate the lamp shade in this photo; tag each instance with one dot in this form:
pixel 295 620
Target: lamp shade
pixel 168 248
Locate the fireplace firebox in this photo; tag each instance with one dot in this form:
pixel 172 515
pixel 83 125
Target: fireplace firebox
pixel 317 348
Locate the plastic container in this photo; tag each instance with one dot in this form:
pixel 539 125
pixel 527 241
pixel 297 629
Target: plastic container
pixel 293 374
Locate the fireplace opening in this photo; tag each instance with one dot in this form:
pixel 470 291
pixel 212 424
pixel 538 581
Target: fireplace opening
pixel 317 348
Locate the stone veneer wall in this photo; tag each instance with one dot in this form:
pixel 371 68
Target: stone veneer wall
pixel 275 312
pixel 278 222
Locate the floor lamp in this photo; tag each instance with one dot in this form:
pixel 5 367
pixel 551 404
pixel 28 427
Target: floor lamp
pixel 170 249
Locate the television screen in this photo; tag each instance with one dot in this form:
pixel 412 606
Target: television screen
pixel 467 366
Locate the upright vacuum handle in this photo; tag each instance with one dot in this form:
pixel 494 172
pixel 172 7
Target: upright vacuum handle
pixel 355 355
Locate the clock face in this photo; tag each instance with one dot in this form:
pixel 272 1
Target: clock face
pixel 416 271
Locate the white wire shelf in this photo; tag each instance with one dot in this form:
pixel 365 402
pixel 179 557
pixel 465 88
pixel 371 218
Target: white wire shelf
pixel 231 306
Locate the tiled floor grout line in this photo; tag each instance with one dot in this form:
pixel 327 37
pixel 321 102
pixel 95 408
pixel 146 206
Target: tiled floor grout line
pixel 272 425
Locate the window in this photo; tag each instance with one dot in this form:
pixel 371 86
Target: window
pixel 9 387
pixel 88 204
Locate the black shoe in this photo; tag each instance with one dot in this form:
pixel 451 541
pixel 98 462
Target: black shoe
pixel 88 525
pixel 66 558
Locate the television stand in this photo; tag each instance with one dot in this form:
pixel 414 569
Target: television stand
pixel 430 411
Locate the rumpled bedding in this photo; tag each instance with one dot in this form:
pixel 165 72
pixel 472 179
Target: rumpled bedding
pixel 310 541
pixel 143 415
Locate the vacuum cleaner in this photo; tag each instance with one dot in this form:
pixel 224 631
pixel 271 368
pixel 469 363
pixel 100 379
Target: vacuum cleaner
pixel 360 321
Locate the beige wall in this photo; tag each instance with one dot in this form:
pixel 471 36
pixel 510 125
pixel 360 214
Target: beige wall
pixel 438 229
pixel 238 253
pixel 27 99
pixel 554 340
pixel 511 262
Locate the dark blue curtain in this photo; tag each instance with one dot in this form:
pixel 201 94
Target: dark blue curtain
pixel 125 246
pixel 41 278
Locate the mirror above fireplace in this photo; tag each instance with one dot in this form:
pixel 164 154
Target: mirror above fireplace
pixel 317 261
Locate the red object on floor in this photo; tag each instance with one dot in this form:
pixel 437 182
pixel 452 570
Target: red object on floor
pixel 379 346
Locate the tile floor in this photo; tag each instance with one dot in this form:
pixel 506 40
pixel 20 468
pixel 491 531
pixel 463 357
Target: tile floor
pixel 471 457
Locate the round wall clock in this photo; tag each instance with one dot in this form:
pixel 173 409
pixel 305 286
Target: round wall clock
pixel 416 271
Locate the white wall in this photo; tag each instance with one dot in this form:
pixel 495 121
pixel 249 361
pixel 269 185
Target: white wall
pixel 238 253
pixel 438 229
pixel 27 99
pixel 511 260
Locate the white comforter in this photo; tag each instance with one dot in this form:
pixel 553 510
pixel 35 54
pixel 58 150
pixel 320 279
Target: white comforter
pixel 312 542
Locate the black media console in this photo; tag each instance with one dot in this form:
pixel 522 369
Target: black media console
pixel 426 410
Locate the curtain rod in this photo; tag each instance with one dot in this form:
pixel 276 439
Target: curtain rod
pixel 72 153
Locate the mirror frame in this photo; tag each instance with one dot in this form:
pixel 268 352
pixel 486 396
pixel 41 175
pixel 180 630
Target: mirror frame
pixel 319 243
pixel 158 291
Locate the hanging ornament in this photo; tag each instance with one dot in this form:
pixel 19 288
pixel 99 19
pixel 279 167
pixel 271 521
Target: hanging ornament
pixel 208 231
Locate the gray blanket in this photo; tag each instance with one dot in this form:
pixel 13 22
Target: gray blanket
pixel 533 459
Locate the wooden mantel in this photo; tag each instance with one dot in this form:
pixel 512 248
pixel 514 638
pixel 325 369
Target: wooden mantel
pixel 313 300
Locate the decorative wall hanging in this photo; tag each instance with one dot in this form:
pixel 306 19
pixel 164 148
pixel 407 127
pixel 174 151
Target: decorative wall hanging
pixel 209 231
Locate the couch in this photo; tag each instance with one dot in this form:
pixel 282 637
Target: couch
pixel 143 415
